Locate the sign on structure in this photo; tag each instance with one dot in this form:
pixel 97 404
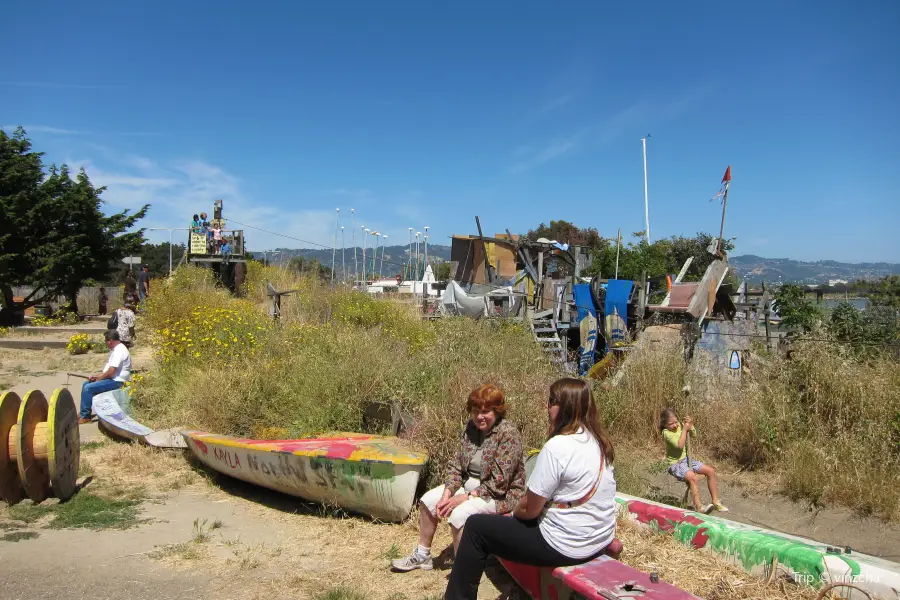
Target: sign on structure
pixel 198 243
pixel 132 260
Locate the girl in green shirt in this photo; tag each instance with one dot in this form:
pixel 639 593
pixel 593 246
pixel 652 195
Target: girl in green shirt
pixel 676 438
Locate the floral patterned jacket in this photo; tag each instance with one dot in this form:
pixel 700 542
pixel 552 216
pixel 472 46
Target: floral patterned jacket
pixel 503 464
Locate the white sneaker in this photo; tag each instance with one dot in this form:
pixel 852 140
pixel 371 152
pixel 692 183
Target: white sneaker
pixel 412 562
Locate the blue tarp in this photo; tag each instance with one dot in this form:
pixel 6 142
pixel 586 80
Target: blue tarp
pixel 584 302
pixel 617 293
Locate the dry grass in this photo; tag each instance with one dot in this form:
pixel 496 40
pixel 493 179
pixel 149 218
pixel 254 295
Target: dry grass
pixel 331 354
pixel 126 466
pixel 794 419
pixel 334 351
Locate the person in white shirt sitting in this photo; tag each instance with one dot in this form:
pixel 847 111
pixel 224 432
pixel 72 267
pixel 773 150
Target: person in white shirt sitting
pixel 115 373
pixel 568 513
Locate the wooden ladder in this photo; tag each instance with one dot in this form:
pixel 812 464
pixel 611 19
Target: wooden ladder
pixel 546 335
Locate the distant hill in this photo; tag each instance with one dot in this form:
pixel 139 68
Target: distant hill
pixel 748 266
pixel 394 256
pixel 756 268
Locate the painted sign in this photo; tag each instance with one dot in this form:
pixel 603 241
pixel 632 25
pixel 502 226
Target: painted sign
pixel 132 260
pixel 756 549
pixel 198 243
pixel 373 475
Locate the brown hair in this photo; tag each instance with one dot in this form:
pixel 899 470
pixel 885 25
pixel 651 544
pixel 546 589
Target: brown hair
pixel 664 415
pixel 577 409
pixel 487 396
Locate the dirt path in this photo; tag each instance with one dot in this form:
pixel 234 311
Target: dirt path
pixel 206 541
pixel 201 536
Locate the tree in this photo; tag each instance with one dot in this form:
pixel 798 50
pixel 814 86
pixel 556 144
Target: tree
pixel 794 307
pixel 53 234
pixel 662 257
pixel 310 266
pixel 156 256
pixel 567 233
pixel 886 292
pixel 442 271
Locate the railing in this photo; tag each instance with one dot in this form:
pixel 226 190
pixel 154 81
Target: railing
pixel 204 245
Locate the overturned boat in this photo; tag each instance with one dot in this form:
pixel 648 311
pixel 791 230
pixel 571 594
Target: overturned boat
pixel 368 474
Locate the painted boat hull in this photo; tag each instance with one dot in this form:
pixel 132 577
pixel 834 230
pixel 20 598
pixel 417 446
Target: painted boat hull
pixel 110 408
pixel 753 549
pixel 371 475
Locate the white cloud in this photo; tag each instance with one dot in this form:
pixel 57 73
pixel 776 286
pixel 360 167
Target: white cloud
pixel 177 190
pixel 47 129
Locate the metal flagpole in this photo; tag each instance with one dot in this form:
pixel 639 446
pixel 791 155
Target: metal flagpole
pixel 425 239
pixel 646 202
pixel 418 233
pixel 337 219
pixel 409 257
pixel 726 180
pixel 365 241
pixel 353 241
pixel 343 263
pixel 381 269
pixel 375 256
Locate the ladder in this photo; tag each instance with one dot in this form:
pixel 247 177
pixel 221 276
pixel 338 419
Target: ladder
pixel 546 335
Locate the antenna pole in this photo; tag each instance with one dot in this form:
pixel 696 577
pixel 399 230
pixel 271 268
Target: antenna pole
pixel 353 241
pixel 646 201
pixel 337 218
pixel 343 262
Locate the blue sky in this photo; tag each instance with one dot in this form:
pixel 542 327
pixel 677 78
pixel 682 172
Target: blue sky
pixel 414 115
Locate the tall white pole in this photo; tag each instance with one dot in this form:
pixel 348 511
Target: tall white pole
pixel 425 239
pixel 337 218
pixel 646 201
pixel 375 256
pixel 353 235
pixel 365 242
pixel 383 244
pixel 418 233
pixel 343 263
pixel 409 257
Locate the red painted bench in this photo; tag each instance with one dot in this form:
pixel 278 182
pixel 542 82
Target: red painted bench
pixel 602 578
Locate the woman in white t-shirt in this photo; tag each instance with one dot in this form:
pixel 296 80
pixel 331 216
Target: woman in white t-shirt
pixel 568 514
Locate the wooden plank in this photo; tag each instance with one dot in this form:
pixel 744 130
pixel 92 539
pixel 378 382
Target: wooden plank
pixel 715 273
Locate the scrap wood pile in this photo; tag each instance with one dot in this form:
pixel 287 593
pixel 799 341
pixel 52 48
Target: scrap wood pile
pixel 698 572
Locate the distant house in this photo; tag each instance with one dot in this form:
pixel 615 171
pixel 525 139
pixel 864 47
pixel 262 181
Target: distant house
pixel 834 282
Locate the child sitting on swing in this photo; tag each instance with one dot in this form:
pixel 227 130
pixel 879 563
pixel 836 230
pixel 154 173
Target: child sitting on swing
pixel 676 438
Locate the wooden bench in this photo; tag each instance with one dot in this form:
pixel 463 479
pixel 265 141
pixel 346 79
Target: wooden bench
pixel 603 578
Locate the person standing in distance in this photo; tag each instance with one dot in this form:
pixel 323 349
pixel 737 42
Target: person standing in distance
pixel 144 283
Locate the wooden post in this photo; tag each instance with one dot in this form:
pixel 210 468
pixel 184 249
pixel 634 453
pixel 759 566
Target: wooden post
pixel 539 284
pixel 766 304
pixel 642 301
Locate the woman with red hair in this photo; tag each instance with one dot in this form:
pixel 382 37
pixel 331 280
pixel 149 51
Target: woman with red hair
pixel 487 476
pixel 568 513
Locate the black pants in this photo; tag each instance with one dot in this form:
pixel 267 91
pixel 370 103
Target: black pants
pixel 504 537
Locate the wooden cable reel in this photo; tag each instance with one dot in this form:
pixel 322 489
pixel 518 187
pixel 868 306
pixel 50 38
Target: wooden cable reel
pixel 40 447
